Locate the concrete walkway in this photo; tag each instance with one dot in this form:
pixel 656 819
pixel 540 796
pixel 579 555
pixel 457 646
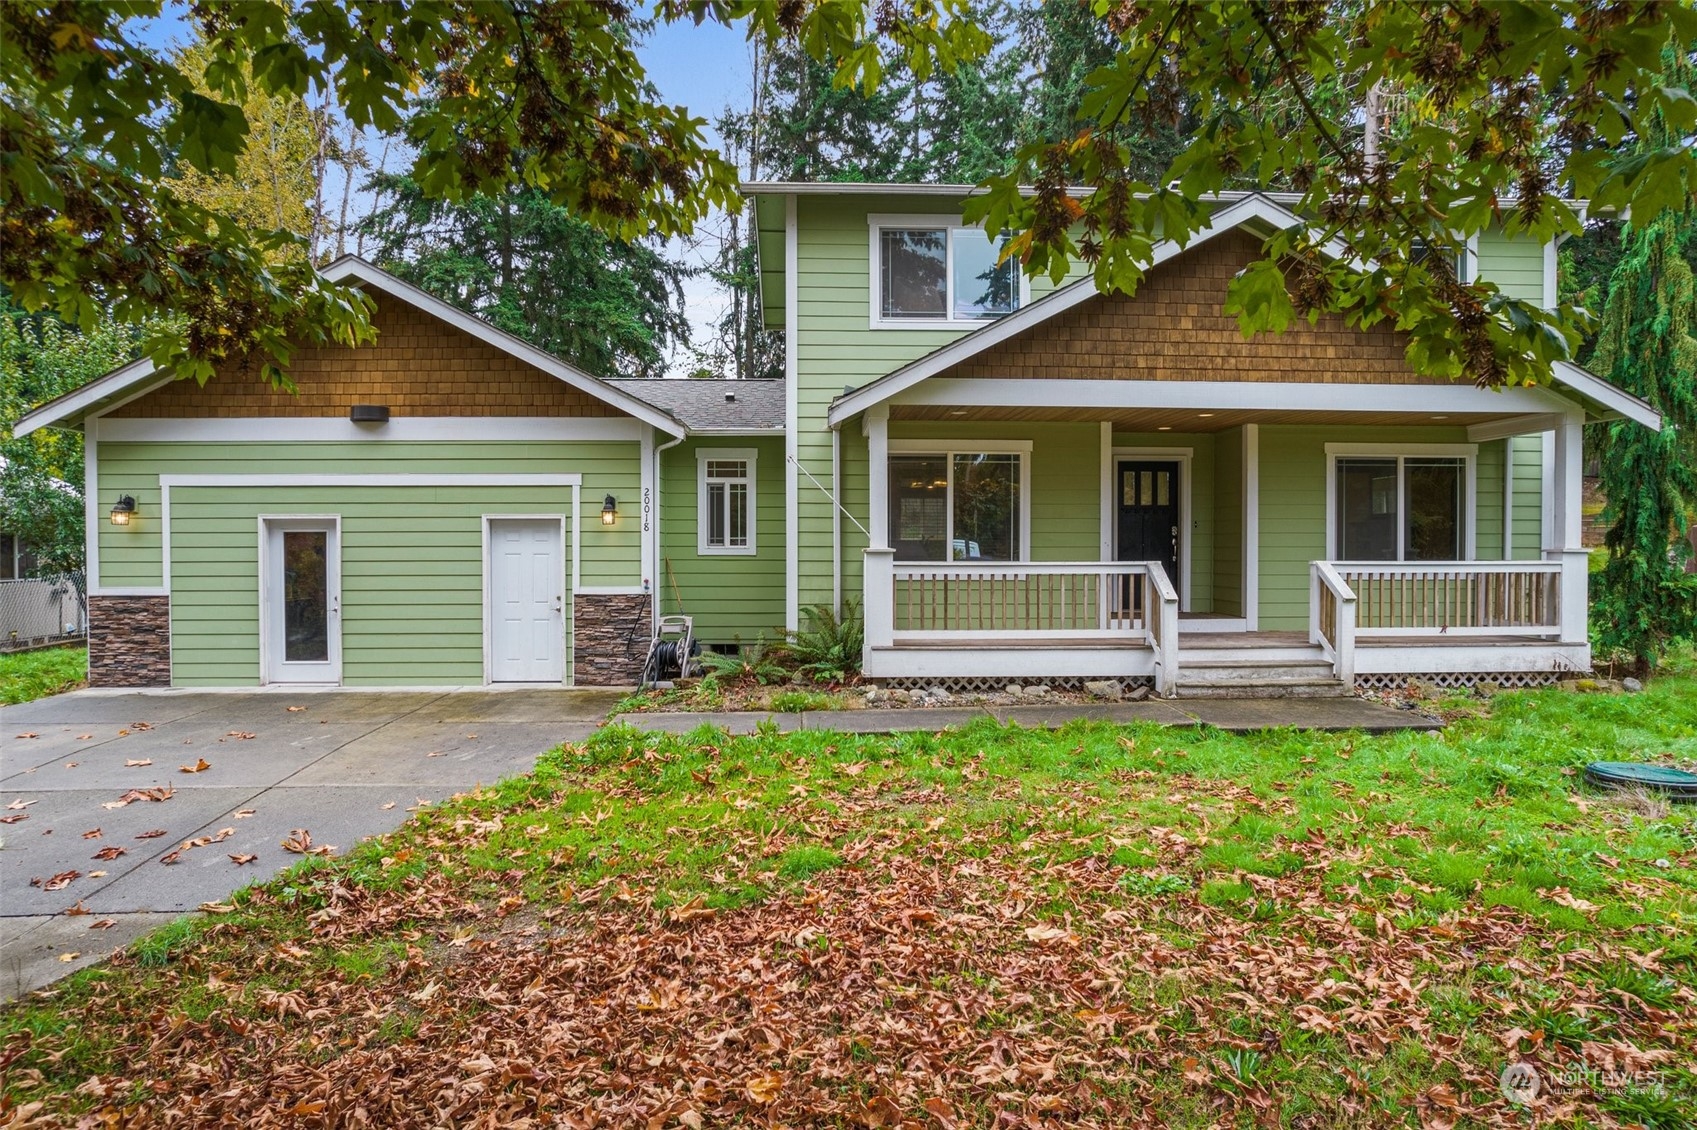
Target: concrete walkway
pixel 344 765
pixel 1244 715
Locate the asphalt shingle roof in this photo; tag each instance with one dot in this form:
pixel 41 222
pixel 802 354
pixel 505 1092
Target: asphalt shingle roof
pixel 714 405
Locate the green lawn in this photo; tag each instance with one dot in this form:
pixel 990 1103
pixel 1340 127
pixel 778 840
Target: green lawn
pixel 1093 926
pixel 29 675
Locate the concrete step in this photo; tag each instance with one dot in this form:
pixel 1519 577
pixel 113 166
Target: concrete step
pixel 1257 656
pixel 1252 687
pixel 1214 668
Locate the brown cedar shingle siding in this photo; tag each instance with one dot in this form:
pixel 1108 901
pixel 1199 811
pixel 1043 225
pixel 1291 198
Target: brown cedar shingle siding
pixel 1175 329
pixel 419 366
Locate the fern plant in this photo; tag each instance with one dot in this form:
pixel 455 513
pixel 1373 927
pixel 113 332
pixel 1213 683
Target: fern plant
pixel 828 649
pixel 750 663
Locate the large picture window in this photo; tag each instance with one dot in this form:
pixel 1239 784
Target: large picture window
pixel 1401 508
pixel 933 272
pixel 725 522
pixel 957 506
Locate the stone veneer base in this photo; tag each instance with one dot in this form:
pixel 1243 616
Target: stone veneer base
pixel 610 634
pixel 129 641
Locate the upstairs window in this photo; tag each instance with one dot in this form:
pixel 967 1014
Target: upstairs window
pixel 725 519
pixel 932 273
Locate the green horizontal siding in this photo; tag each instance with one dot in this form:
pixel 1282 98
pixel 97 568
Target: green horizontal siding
pixel 412 578
pixel 1528 497
pixel 1514 263
pixel 1293 508
pixel 731 597
pixel 130 556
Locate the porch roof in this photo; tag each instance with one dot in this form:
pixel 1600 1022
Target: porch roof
pixel 975 353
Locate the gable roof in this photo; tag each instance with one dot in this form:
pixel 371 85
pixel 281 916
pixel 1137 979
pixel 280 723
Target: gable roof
pixel 709 406
pixel 141 376
pixel 1252 212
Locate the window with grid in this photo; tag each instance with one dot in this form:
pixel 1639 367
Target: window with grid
pixel 726 502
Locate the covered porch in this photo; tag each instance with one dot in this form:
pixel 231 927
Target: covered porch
pixel 1229 535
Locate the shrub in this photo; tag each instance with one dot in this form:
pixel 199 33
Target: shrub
pixel 756 662
pixel 828 649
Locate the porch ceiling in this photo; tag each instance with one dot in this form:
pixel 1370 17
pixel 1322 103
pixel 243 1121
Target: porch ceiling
pixel 1186 419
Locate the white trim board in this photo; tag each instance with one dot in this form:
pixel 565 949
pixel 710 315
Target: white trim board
pixel 570 479
pixel 1251 604
pixel 792 420
pixel 410 429
pixel 1423 401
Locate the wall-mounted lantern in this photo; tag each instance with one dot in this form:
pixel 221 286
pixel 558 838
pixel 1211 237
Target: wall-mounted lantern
pixel 123 510
pixel 369 413
pixel 609 511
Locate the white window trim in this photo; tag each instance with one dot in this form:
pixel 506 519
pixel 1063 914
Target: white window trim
pixel 702 455
pixel 950 448
pixel 876 223
pixel 1468 453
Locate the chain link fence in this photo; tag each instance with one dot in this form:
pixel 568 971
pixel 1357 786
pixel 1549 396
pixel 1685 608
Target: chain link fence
pixel 37 610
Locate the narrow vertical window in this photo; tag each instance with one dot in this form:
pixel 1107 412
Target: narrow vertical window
pixel 726 499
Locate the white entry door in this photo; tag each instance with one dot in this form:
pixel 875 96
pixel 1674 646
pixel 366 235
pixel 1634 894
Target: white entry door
pixel 527 590
pixel 301 601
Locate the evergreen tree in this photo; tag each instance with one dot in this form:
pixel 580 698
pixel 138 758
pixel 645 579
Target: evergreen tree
pixel 1647 345
pixel 532 268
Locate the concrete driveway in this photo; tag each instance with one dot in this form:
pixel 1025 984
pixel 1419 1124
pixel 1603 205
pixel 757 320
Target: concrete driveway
pixel 344 765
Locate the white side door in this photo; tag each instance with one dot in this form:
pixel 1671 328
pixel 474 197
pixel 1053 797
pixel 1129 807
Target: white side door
pixel 526 593
pixel 301 600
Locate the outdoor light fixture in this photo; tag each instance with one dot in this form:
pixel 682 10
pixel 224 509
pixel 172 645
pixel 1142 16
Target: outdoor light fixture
pixel 609 511
pixel 369 413
pixel 123 510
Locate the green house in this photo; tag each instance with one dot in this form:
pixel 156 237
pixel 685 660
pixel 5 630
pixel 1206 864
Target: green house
pixel 1010 481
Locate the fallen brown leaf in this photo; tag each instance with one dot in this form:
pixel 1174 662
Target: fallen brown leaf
pixel 103 924
pixel 300 842
pixel 296 709
pixel 30 734
pixel 20 804
pixel 107 854
pixel 77 909
pixel 137 762
pixel 69 957
pixel 243 860
pixel 14 818
pixel 58 882
pixel 91 834
pixel 244 813
pixel 151 834
pixel 242 735
pixel 201 765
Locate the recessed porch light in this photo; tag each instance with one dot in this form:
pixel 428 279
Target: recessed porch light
pixel 1440 417
pixel 1165 428
pixel 1204 415
pixel 957 411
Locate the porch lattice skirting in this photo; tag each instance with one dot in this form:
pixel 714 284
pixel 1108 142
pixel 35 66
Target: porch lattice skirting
pixel 1513 680
pixel 979 684
pixel 129 641
pixel 610 634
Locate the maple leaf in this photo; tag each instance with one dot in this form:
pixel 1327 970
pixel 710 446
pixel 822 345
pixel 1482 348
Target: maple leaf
pixel 77 910
pixel 765 1087
pixel 201 765
pixel 939 1108
pixel 58 882
pixel 107 854
pixel 243 860
pixel 300 842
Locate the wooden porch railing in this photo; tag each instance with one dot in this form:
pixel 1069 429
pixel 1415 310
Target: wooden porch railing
pixel 1331 618
pixel 1074 603
pixel 1455 598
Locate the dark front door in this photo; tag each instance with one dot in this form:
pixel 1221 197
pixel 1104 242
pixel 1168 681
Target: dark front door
pixel 1149 514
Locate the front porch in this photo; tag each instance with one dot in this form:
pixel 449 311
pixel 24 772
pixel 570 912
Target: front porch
pixel 1370 623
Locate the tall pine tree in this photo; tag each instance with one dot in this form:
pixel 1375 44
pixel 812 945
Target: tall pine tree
pixel 1647 345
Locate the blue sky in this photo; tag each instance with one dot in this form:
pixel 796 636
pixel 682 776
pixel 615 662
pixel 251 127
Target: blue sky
pixel 702 68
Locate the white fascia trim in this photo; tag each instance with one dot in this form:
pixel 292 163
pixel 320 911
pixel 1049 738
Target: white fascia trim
pixel 571 479
pixel 734 433
pixel 1513 426
pixel 792 419
pixel 77 403
pixel 333 429
pixel 1250 208
pixel 352 267
pixel 1421 400
pixel 1590 385
pixel 750 477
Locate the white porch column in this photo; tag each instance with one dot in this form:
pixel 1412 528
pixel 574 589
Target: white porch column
pixel 1252 526
pixel 1564 535
pixel 877 423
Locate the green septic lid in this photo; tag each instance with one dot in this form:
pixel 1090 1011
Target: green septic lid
pixel 1618 774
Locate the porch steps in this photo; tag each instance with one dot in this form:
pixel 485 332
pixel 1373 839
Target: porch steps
pixel 1265 672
